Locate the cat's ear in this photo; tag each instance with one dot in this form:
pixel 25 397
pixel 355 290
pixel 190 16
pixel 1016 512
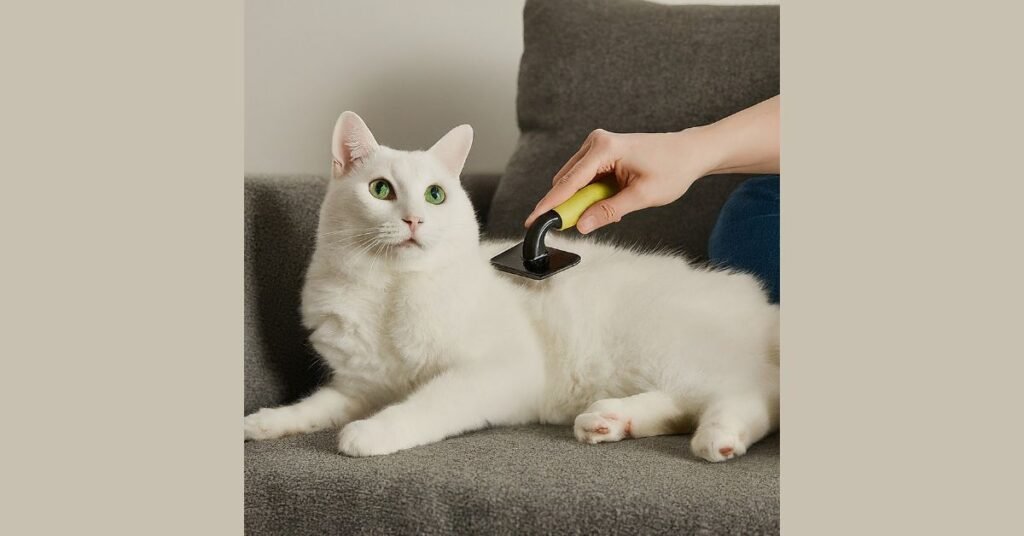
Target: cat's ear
pixel 352 142
pixel 453 148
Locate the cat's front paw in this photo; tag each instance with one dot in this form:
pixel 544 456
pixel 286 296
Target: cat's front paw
pixel 601 427
pixel 267 423
pixel 369 437
pixel 717 443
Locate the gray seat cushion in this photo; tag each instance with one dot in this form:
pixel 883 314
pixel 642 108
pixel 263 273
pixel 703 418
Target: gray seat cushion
pixel 524 480
pixel 630 66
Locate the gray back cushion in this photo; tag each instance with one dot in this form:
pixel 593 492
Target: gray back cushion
pixel 281 216
pixel 633 66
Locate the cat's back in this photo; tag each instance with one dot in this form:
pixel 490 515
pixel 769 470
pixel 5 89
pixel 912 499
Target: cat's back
pixel 628 301
pixel 618 275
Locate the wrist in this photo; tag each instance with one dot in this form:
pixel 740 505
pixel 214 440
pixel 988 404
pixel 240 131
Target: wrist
pixel 704 152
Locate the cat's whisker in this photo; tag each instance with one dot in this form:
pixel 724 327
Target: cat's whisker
pixel 367 234
pixel 346 237
pixel 364 248
pixel 348 234
pixel 375 256
pixel 355 232
pixel 349 238
pixel 341 239
pixel 354 243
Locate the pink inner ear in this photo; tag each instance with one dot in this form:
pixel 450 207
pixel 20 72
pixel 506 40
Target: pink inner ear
pixel 356 148
pixel 352 140
pixel 453 148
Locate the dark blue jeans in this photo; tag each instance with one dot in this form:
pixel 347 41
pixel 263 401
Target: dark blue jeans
pixel 746 236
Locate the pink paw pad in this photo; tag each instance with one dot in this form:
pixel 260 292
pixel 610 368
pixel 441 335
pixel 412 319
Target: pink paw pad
pixel 601 427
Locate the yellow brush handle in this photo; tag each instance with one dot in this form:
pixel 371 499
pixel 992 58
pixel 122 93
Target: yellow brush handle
pixel 571 210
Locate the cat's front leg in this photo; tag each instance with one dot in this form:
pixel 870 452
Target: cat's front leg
pixel 337 340
pixel 325 408
pixel 457 401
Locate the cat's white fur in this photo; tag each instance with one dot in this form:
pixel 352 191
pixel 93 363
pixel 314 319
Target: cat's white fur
pixel 427 340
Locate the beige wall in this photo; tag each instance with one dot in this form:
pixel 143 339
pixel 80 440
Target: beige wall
pixel 411 69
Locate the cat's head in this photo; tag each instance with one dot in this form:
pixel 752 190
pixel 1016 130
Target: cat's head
pixel 406 209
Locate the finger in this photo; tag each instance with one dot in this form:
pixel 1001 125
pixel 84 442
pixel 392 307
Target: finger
pixel 601 139
pixel 591 164
pixel 558 177
pixel 572 161
pixel 610 210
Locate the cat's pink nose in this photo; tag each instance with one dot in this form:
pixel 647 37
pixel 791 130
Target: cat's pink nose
pixel 412 222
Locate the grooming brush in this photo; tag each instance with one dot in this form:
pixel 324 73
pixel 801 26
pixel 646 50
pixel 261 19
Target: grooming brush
pixel 532 258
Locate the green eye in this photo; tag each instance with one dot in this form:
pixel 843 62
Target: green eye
pixel 381 189
pixel 434 195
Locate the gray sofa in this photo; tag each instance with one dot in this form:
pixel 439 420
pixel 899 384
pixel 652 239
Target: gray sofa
pixel 619 65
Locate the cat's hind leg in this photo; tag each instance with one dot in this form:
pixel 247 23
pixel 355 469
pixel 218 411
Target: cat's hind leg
pixel 325 408
pixel 730 425
pixel 643 415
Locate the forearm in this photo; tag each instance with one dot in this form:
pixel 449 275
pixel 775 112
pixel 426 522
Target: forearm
pixel 745 142
pixel 655 169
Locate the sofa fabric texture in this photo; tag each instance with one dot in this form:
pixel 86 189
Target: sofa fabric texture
pixel 586 64
pixel 522 480
pixel 633 66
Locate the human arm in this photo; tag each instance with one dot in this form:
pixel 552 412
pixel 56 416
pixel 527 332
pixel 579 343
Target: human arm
pixel 655 169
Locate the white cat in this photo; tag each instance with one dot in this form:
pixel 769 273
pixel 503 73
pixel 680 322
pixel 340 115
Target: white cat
pixel 426 340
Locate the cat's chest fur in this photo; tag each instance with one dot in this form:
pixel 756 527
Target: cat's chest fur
pixel 392 331
pixel 420 320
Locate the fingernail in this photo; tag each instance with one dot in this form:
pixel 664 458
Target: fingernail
pixel 586 225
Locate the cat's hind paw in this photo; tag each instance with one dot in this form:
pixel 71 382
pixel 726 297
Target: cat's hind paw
pixel 603 427
pixel 715 443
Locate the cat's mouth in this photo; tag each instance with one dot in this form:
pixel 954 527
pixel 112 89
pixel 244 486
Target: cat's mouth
pixel 410 242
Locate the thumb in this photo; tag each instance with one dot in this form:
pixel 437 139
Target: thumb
pixel 610 210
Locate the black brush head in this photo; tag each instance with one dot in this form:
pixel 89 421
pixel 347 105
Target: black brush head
pixel 556 260
pixel 531 257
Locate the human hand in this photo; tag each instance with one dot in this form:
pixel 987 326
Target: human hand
pixel 656 169
pixel 651 170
